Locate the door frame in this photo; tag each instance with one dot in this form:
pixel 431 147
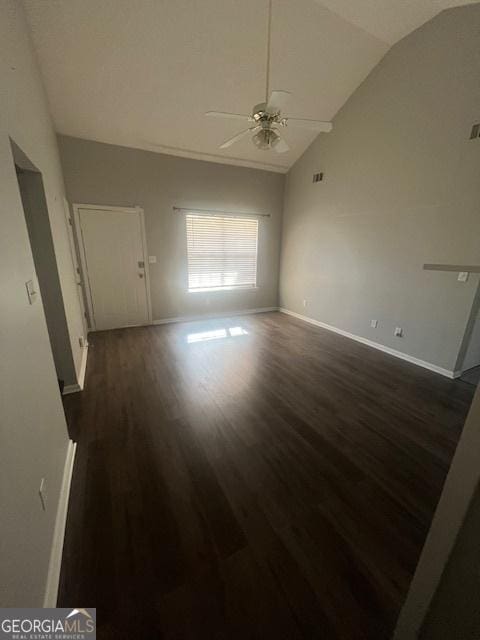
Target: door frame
pixel 79 281
pixel 83 258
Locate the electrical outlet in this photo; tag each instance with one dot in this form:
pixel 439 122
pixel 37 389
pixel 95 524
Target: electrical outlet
pixel 463 276
pixel 374 324
pixel 152 259
pixel 398 332
pixel 305 303
pixel 475 132
pixel 42 492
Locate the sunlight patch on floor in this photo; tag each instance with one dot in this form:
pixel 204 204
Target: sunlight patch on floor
pixel 216 334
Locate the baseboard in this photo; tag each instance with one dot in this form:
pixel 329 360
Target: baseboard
pixel 71 388
pixel 55 564
pixel 83 367
pixel 375 345
pixel 225 314
pixel 78 386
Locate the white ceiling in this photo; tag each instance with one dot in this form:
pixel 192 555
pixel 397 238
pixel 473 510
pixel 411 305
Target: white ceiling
pixel 142 73
pixel 390 20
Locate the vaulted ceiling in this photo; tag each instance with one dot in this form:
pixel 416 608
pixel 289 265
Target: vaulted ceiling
pixel 143 73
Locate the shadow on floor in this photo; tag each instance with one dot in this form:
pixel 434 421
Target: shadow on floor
pixel 472 376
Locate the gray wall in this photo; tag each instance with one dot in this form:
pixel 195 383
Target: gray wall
pixel 33 433
pixel 470 347
pixel 443 594
pixel 455 609
pixel 43 251
pixel 97 173
pixel 401 187
pixel 470 353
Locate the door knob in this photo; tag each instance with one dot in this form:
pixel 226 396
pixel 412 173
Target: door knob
pixel 140 275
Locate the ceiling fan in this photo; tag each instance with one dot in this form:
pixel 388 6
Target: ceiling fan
pixel 266 117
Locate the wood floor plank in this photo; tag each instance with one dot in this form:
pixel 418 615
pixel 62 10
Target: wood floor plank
pixel 276 482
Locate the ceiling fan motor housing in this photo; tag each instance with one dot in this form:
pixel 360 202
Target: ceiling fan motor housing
pixel 261 115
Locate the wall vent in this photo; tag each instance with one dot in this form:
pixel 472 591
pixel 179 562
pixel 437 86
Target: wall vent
pixel 317 177
pixel 474 133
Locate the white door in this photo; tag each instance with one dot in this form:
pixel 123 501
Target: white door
pixel 115 266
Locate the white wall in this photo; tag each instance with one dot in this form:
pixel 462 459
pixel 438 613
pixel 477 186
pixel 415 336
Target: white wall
pixel 33 433
pixel 97 173
pixel 401 188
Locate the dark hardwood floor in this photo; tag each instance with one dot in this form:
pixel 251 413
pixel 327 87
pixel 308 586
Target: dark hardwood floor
pixel 277 483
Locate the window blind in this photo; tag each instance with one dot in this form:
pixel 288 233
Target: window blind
pixel 222 252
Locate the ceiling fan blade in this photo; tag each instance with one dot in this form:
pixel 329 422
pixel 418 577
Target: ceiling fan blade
pixel 239 136
pixel 277 101
pixel 223 114
pixel 281 146
pixel 314 125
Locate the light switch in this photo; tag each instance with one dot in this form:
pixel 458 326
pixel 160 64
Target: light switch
pixel 152 259
pixel 463 276
pixel 31 291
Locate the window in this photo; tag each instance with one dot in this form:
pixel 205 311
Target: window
pixel 222 252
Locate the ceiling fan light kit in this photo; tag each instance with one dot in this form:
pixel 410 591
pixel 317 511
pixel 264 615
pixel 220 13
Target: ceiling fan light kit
pixel 267 116
pixel 266 139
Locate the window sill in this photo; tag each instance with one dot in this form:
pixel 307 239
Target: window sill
pixel 221 289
